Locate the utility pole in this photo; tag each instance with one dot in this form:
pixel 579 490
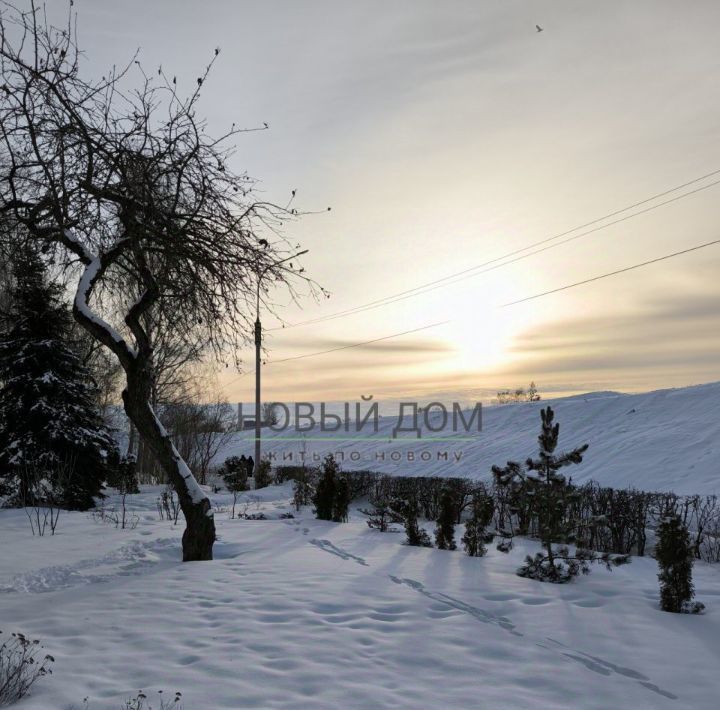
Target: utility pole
pixel 258 347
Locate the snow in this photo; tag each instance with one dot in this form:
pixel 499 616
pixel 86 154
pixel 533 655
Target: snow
pixel 305 613
pixel 82 294
pixel 86 254
pixel 197 495
pixel 85 285
pixel 662 440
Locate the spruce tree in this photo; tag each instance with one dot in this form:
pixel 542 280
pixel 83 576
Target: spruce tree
pixel 445 528
pixel 341 500
pixel 415 535
pixel 325 490
pixel 476 535
pixel 674 557
pixel 51 433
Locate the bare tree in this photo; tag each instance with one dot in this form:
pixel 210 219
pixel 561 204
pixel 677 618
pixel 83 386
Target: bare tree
pixel 123 186
pixel 42 492
pixel 199 430
pixel 177 376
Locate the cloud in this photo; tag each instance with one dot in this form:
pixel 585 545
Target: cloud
pixel 671 338
pixel 401 345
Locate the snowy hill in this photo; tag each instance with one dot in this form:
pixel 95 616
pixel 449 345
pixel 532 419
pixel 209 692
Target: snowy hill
pixel 662 440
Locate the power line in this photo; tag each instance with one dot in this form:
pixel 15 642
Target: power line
pixel 473 271
pixel 356 345
pixel 505 305
pixel 343 347
pixel 492 266
pixel 612 273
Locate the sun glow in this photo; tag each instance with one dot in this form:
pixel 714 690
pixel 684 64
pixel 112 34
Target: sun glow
pixel 482 337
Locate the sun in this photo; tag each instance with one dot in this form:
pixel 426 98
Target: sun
pixel 483 336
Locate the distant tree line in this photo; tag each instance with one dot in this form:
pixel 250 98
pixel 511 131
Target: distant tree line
pixel 518 395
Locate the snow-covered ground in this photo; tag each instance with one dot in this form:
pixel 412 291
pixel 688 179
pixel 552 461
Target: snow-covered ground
pixel 662 440
pixel 307 614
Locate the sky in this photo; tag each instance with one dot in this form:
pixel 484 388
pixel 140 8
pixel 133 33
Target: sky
pixel 445 135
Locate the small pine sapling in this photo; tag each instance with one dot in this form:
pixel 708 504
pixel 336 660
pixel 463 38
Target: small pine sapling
pixel 263 474
pixel 408 510
pixel 505 544
pixel 325 489
pixel 341 501
pixel 332 493
pixel 515 498
pixel 234 474
pixel 382 515
pixel 476 535
pixel 126 483
pixel 445 528
pixel 303 489
pixel 123 475
pixel 675 558
pixel 551 496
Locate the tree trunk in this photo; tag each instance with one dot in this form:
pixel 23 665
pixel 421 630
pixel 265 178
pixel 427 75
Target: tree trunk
pixel 131 442
pixel 199 535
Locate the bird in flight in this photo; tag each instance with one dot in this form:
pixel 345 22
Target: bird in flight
pixel 538 28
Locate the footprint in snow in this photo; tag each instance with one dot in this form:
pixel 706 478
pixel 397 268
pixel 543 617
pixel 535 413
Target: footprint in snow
pixel 603 667
pixel 130 559
pixel 480 614
pixel 592 663
pixel 327 546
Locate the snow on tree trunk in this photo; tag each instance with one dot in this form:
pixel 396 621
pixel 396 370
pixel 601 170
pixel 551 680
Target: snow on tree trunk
pixel 199 534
